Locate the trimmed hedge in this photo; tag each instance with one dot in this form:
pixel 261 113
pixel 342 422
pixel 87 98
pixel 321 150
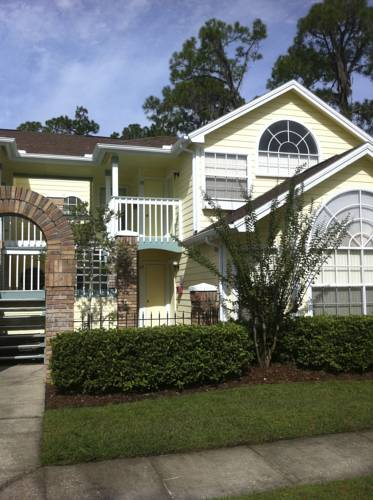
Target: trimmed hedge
pixel 149 359
pixel 330 343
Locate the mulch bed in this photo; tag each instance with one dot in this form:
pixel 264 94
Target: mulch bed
pixel 277 373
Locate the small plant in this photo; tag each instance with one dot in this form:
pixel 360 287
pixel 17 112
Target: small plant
pixel 272 263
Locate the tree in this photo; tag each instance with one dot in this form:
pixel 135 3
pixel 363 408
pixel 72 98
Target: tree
pixel 363 115
pixel 31 127
pixel 206 76
pixel 79 125
pixel 271 266
pixel 137 131
pixel 334 41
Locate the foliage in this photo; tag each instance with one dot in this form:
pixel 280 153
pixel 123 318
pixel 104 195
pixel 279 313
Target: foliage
pixel 149 359
pixel 90 230
pixel 206 419
pixel 271 265
pixel 334 41
pixel 363 115
pixel 137 131
pixel 79 125
pixel 206 76
pixel 337 344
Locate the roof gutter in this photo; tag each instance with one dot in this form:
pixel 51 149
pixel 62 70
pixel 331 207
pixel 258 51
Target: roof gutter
pixel 95 159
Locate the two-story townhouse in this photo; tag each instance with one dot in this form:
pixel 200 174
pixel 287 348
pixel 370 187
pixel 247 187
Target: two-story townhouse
pixel 156 187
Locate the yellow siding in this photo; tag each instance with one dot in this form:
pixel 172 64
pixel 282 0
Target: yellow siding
pixel 56 188
pixel 356 176
pixel 184 191
pixel 191 273
pixel 242 136
pixel 244 133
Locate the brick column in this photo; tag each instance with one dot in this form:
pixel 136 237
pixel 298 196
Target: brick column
pixel 127 288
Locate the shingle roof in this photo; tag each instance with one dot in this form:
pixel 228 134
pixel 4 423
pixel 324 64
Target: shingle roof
pixel 75 145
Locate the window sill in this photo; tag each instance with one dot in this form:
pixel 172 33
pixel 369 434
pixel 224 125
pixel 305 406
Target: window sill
pixel 225 204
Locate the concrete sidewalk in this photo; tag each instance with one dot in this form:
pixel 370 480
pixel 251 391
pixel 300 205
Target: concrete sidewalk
pixel 21 411
pixel 206 474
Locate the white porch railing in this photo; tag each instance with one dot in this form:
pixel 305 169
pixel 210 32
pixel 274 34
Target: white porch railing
pixel 150 219
pixel 21 255
pixel 17 232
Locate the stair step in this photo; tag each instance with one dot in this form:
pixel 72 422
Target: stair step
pixel 20 357
pixel 23 347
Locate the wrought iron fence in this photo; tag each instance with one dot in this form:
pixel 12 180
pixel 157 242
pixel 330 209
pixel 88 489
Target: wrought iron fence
pixel 130 320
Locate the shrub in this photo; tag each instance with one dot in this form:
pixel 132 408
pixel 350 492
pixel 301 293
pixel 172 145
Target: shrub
pixel 149 359
pixel 338 344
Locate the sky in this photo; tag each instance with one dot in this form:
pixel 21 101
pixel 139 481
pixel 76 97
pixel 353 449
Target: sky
pixel 109 55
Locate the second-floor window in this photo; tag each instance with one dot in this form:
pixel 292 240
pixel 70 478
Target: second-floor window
pixel 284 147
pixel 226 176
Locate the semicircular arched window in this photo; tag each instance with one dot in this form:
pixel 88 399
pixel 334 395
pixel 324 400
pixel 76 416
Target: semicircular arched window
pixel 345 284
pixel 284 147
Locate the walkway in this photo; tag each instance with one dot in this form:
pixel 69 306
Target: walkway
pixel 207 474
pixel 21 411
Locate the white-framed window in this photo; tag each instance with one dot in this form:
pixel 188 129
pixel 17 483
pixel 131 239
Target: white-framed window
pixel 345 284
pixel 70 205
pixel 284 147
pixel 226 176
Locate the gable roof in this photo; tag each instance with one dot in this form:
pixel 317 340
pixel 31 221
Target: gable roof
pixel 309 177
pixel 198 135
pixel 75 145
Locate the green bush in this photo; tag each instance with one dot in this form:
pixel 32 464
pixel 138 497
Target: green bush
pixel 330 343
pixel 149 359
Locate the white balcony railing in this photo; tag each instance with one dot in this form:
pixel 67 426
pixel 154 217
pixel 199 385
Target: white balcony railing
pixel 150 219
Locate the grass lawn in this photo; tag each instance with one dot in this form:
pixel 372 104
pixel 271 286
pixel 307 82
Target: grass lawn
pixel 202 420
pixel 360 488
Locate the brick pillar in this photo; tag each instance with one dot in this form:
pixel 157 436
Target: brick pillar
pixel 127 288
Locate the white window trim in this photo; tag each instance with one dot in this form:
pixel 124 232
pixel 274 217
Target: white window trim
pixel 225 203
pixel 279 118
pixel 361 285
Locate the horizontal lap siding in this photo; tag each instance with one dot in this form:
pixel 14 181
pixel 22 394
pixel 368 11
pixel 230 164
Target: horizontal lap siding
pixel 356 176
pixel 56 188
pixel 192 273
pixel 184 190
pixel 242 136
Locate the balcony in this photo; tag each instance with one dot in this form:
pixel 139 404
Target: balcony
pixel 154 221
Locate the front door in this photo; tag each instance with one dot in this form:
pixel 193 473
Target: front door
pixel 154 303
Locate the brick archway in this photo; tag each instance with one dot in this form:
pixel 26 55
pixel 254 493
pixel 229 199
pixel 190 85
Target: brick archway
pixel 60 263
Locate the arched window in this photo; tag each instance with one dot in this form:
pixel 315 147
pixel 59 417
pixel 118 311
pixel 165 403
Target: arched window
pixel 345 284
pixel 70 205
pixel 285 146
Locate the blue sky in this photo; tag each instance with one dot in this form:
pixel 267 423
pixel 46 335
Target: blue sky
pixel 110 55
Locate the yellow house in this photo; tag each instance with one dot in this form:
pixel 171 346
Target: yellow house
pixel 156 186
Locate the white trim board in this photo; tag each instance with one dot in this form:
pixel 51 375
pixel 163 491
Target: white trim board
pixel 199 134
pixel 314 180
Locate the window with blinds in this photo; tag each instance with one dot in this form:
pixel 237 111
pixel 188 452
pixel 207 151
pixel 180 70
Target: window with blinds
pixel 226 176
pixel 345 283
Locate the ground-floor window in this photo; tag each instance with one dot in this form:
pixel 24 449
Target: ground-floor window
pixel 342 301
pixel 345 284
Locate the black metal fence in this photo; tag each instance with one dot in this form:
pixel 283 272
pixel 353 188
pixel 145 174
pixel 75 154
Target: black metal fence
pixel 130 320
